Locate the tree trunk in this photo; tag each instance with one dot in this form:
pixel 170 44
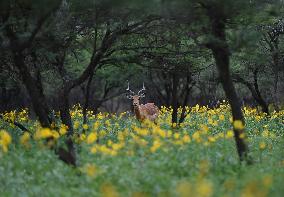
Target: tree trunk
pixel 174 99
pixel 87 95
pixel 69 155
pixel 255 92
pixel 276 60
pixel 187 90
pixel 259 97
pixel 42 111
pixel 223 67
pixel 37 97
pixel 3 96
pixel 221 55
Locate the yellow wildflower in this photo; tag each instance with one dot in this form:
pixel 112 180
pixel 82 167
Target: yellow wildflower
pixel 24 140
pixel 94 150
pixel 186 139
pixel 210 121
pixel 109 143
pixel 90 170
pixel 143 132
pixel 204 128
pixel 252 189
pixel 265 133
pixel 85 126
pixel 242 135
pixel 176 135
pixel 5 137
pixel 161 132
pixel 102 133
pixel 267 180
pixel 184 189
pixel 262 145
pixel 63 129
pixel 55 134
pixel 221 117
pixel 155 146
pixel 204 189
pixel 196 136
pixel 211 139
pixel 229 134
pixel 120 136
pixel 238 124
pixel 169 134
pixel 92 137
pixel 108 190
pixel 76 124
pixel 5 140
pixel 82 137
pixel 52 125
pixel 113 152
pixel 43 133
pixel 117 146
pixel 96 125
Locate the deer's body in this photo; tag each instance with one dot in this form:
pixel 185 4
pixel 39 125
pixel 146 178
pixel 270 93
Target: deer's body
pixel 143 111
pixel 148 111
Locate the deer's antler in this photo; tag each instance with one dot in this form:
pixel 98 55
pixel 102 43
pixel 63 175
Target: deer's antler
pixel 131 93
pixel 140 92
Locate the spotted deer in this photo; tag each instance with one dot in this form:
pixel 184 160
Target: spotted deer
pixel 142 111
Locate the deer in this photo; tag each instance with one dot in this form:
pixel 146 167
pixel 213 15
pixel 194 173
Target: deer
pixel 147 111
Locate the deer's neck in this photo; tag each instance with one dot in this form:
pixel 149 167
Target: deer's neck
pixel 137 112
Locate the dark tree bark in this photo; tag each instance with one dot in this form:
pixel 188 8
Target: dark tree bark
pixel 87 98
pixel 163 99
pixel 176 91
pixel 220 50
pixel 69 155
pixel 259 97
pixel 17 48
pixel 35 91
pixel 174 99
pixel 271 38
pixel 3 96
pixel 254 89
pixel 188 87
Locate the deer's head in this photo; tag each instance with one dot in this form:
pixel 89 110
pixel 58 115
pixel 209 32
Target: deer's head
pixel 135 97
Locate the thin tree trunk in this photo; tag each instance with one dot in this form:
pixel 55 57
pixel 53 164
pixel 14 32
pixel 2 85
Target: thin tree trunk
pixel 275 59
pixel 69 155
pixel 3 96
pixel 221 55
pixel 87 95
pixel 174 98
pixel 187 90
pixel 259 98
pixel 255 92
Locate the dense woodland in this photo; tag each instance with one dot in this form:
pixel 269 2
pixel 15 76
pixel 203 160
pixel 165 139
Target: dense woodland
pixel 87 51
pixel 58 53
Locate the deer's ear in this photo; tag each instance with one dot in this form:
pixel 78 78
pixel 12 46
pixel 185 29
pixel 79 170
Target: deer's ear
pixel 142 95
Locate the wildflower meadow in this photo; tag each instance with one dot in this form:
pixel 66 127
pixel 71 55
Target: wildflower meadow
pixel 120 156
pixel 152 98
